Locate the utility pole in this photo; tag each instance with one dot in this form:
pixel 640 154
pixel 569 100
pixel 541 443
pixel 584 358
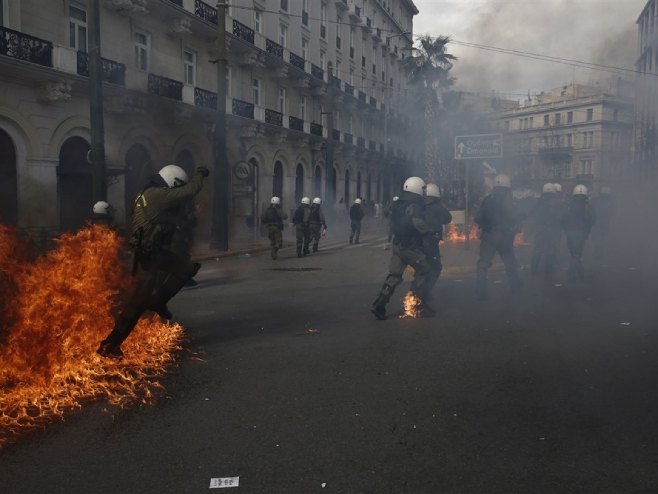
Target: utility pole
pixel 220 198
pixel 329 165
pixel 97 152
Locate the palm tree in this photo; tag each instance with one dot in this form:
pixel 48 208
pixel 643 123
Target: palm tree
pixel 428 69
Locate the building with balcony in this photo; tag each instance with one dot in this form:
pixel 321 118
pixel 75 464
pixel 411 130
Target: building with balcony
pixel 290 64
pixel 573 134
pixel 645 138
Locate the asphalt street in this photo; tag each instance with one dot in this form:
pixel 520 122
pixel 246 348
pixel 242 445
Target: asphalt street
pixel 294 387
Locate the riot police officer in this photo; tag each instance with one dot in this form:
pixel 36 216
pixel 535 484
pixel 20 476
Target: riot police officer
pixel 357 212
pixel 577 222
pixel 301 219
pixel 545 217
pixel 102 213
pixel 158 267
pixel 317 223
pixel 274 217
pixel 409 230
pixel 499 222
pixel 436 216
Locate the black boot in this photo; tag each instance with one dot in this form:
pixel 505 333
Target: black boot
pixel 274 253
pixel 379 307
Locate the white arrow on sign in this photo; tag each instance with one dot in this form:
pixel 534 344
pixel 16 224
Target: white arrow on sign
pixel 461 147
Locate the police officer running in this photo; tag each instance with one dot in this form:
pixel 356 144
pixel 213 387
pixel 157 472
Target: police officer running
pixel 577 222
pixel 301 219
pixel 273 218
pixel 436 215
pixel 357 212
pixel 317 223
pixel 409 230
pixel 499 222
pixel 160 265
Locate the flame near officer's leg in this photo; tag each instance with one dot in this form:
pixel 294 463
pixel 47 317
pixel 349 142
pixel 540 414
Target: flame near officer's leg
pixel 62 308
pixel 412 305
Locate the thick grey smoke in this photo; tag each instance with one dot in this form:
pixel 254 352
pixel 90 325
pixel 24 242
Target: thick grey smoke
pixel 597 31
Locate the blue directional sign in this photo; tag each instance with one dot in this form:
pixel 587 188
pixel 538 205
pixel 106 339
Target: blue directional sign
pixel 481 146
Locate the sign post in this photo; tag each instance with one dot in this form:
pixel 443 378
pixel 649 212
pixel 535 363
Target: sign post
pixel 475 147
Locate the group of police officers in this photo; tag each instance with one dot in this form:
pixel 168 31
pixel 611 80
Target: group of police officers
pixel 163 218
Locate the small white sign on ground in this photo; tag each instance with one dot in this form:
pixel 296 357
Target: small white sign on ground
pixel 224 482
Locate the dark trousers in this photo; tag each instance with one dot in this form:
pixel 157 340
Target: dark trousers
pixel 503 244
pixel 315 232
pixel 576 245
pixel 156 281
pixel 435 266
pixel 401 258
pixel 303 235
pixel 547 245
pixel 275 236
pixel 355 230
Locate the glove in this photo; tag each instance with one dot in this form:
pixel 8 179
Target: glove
pixel 203 171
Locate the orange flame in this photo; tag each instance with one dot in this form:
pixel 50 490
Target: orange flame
pixel 412 306
pixel 455 235
pixel 519 240
pixel 61 310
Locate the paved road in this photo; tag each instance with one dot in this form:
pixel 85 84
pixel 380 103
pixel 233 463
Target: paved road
pixel 552 391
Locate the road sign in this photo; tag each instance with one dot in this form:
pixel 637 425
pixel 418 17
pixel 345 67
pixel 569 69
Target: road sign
pixel 479 146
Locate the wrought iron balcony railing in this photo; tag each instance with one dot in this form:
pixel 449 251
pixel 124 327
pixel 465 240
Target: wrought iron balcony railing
pixel 205 99
pixel 163 86
pixel 242 109
pixel 243 32
pixel 273 117
pixel 316 129
pixel 335 82
pixel 273 48
pixel 177 2
pixel 113 72
pixel 317 71
pixel 205 11
pixel 297 61
pixel 21 46
pixel 295 123
pixel 349 89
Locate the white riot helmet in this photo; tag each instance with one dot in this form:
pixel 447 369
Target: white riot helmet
pixel 396 198
pixel 548 188
pixel 580 190
pixel 174 176
pixel 317 200
pixel 102 207
pixel 357 201
pixel 558 188
pixel 275 200
pixel 306 200
pixel 432 190
pixel 502 181
pixel 415 185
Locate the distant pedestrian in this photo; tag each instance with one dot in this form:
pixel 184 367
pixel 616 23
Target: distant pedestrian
pixel 317 223
pixel 357 213
pixel 302 228
pixel 577 222
pixel 499 222
pixel 274 217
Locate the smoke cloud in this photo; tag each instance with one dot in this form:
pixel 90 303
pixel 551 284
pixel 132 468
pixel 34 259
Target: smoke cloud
pixel 602 32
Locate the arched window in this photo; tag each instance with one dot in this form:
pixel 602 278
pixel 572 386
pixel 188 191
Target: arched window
pixel 358 184
pixel 185 160
pixel 369 187
pixel 299 183
pixel 332 186
pixel 346 194
pixel 138 170
pixel 277 180
pixel 8 181
pixel 317 182
pixel 74 184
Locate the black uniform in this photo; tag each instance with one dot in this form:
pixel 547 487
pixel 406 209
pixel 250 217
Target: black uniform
pixel 545 217
pixel 436 215
pixel 499 222
pixel 316 224
pixel 357 212
pixel 159 269
pixel 411 231
pixel 273 218
pixel 302 230
pixel 577 222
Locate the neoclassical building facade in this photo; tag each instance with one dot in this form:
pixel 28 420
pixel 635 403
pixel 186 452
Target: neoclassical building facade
pixel 290 64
